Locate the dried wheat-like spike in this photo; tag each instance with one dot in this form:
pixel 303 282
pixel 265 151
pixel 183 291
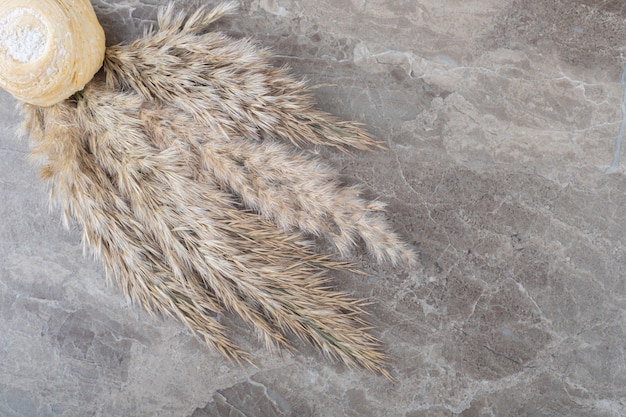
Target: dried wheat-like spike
pixel 132 174
pixel 298 192
pixel 231 89
pixel 179 165
pixel 226 84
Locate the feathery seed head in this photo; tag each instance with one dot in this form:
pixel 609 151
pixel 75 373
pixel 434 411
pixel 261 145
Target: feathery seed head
pixel 183 169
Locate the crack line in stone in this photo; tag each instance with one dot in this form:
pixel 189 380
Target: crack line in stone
pixel 502 355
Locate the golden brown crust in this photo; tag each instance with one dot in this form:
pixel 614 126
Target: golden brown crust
pixel 49 49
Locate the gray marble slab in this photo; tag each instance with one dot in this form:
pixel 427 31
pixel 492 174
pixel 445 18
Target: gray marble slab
pixel 501 119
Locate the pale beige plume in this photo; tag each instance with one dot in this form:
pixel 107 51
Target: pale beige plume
pixel 182 164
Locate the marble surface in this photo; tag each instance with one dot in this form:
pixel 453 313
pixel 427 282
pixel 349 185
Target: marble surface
pixel 502 121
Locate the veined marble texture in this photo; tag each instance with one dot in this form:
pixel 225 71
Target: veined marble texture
pixel 504 168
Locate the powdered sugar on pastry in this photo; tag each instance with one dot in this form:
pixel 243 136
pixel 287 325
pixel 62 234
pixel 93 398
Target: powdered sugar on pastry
pixel 22 43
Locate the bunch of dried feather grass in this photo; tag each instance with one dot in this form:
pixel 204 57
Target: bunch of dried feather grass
pixel 177 166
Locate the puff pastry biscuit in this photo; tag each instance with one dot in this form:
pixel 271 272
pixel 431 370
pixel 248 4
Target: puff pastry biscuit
pixel 49 49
